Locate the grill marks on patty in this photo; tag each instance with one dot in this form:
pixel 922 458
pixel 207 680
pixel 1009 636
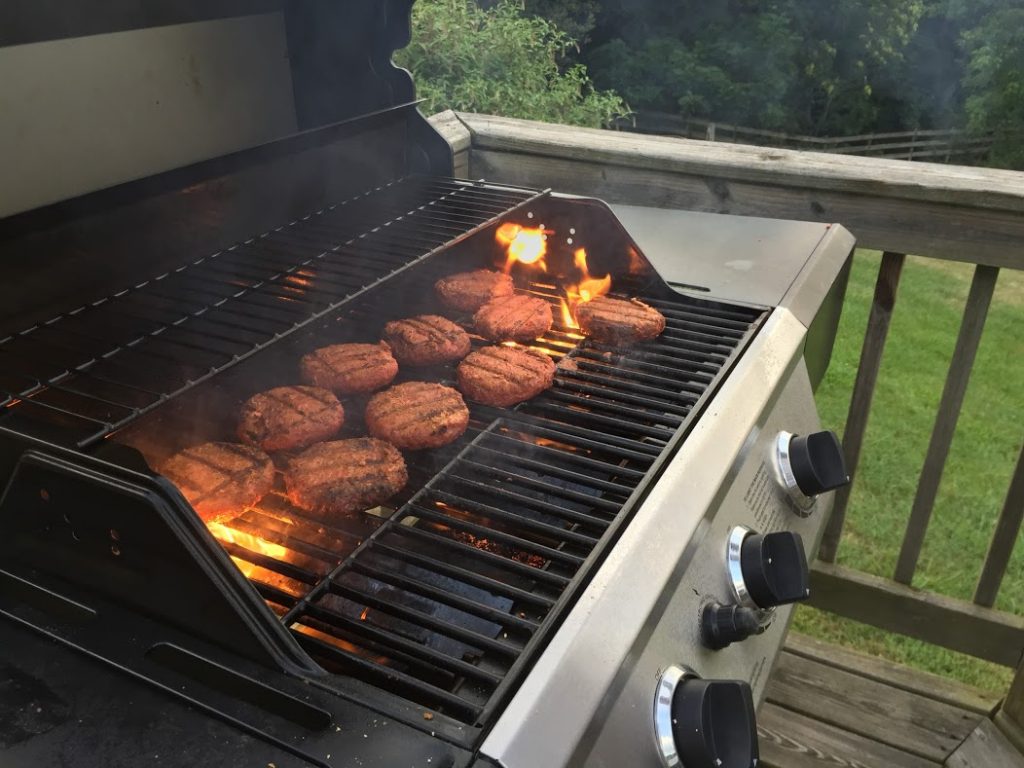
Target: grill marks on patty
pixel 468 291
pixel 417 415
pixel 517 318
pixel 220 479
pixel 349 368
pixel 504 376
pixel 285 418
pixel 619 321
pixel 426 340
pixel 345 476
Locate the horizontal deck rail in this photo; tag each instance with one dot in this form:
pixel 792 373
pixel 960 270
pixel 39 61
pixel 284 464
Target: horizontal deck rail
pixel 944 145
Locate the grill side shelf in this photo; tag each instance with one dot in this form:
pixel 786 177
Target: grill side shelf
pixel 96 368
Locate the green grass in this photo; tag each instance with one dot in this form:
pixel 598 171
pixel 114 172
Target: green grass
pixel 924 328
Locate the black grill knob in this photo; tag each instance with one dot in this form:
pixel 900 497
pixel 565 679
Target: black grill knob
pixel 774 568
pixel 817 462
pixel 712 722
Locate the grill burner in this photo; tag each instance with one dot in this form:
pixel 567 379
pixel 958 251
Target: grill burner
pixel 446 597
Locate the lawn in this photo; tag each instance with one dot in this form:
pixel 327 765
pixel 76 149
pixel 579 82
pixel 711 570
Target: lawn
pixel 988 438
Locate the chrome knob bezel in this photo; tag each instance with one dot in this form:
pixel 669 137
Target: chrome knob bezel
pixel 783 463
pixel 668 683
pixel 734 567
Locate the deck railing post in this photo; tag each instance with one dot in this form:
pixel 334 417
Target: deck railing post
pixel 978 300
pixel 863 390
pixel 1003 539
pixel 1010 717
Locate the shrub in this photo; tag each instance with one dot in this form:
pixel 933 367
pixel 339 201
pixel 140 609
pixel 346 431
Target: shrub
pixel 500 61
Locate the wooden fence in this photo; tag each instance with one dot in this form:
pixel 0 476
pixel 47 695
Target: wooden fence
pixel 941 212
pixel 941 145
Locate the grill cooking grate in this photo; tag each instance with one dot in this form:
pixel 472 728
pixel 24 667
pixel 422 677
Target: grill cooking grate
pixel 445 599
pixel 96 368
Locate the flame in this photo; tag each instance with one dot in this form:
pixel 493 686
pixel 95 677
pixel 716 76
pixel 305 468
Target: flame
pixel 545 442
pixel 586 289
pixel 567 319
pixel 524 245
pixel 344 645
pixel 250 542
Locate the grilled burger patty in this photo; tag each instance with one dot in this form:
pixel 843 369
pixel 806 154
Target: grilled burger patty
pixel 345 476
pixel 219 479
pixel 349 368
pixel 619 321
pixel 517 318
pixel 285 418
pixel 426 340
pixel 417 415
pixel 503 376
pixel 468 291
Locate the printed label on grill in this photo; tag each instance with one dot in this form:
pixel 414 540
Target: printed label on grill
pixel 759 499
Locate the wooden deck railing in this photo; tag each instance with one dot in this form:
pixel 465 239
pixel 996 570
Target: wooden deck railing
pixel 937 211
pixel 947 145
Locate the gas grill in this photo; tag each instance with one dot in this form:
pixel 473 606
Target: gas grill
pixel 564 584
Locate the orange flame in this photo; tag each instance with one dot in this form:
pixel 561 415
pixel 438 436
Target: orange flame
pixel 586 289
pixel 250 542
pixel 525 245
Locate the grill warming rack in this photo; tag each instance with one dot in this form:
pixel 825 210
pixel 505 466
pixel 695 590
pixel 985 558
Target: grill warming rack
pixel 96 368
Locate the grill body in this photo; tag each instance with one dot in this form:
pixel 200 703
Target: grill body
pixel 515 603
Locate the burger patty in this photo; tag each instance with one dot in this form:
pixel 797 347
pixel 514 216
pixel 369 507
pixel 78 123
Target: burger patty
pixel 345 476
pixel 468 291
pixel 517 318
pixel 503 376
pixel 417 415
pixel 426 340
pixel 285 418
pixel 349 368
pixel 220 479
pixel 619 321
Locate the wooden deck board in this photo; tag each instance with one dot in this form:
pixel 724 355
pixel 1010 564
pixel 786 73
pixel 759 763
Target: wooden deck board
pixel 897 675
pixel 827 706
pixel 986 747
pixel 789 740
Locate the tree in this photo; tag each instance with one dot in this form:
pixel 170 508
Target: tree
pixel 796 65
pixel 498 60
pixel 994 81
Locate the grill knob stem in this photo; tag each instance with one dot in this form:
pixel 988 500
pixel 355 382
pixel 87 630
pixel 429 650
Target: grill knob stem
pixel 705 723
pixel 722 625
pixel 775 568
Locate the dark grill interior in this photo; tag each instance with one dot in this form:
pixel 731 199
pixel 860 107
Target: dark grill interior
pixel 444 597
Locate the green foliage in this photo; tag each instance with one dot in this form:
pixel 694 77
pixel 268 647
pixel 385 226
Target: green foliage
pixel 994 83
pixel 500 61
pixel 787 64
pixel 574 17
